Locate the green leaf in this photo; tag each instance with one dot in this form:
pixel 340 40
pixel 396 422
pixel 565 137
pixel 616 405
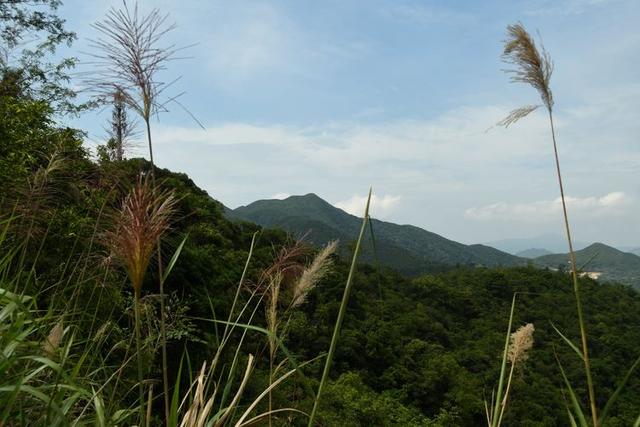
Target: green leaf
pixel 174 259
pixel 615 394
pixel 568 341
pixel 574 400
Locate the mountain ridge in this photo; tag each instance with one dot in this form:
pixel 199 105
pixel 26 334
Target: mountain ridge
pixel 612 264
pixel 408 248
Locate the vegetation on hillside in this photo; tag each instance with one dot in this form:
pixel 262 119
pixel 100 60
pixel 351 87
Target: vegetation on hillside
pixel 406 248
pixel 261 329
pixel 612 264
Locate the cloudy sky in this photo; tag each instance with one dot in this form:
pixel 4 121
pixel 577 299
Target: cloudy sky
pixel 335 96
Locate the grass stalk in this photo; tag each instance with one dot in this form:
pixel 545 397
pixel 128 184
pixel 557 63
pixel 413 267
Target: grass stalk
pixel 576 287
pixel 498 403
pixel 163 329
pixel 136 310
pixel 534 67
pixel 341 312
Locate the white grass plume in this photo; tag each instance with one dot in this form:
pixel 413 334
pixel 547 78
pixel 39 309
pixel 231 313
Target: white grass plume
pixel 313 274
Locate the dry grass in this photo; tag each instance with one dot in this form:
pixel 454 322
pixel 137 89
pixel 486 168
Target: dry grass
pixel 313 274
pixel 145 215
pixel 532 66
pixel 128 58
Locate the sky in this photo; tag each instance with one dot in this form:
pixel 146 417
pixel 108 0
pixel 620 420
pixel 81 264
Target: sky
pixel 333 97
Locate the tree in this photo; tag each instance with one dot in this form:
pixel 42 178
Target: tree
pixel 31 31
pixel 120 130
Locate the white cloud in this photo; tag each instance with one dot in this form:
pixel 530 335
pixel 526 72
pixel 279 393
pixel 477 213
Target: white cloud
pixel 614 203
pixel 280 196
pixel 380 207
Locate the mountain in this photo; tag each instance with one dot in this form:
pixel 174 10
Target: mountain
pixel 406 248
pixel 533 253
pixel 612 264
pixel 630 249
pixel 551 242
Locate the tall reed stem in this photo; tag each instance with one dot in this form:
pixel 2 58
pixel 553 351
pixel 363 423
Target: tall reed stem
pixel 136 312
pixel 503 369
pixel 576 288
pixel 343 309
pixel 163 332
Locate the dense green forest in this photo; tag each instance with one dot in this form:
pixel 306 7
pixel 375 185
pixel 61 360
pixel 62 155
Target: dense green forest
pixel 81 338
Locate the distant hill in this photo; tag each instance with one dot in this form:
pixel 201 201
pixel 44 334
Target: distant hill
pixel 614 265
pixel 533 253
pixel 554 243
pixel 406 248
pixel 630 249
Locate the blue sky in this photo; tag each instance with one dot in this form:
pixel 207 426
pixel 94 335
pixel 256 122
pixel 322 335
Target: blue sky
pixel 332 97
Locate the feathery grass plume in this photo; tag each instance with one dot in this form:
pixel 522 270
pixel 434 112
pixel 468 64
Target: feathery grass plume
pixel 520 343
pixel 287 268
pixel 313 274
pixel 128 58
pixel 534 67
pixel 129 61
pixel 144 217
pixel 52 342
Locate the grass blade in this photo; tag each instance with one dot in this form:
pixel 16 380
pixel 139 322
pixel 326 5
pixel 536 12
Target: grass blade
pixel 568 341
pixel 574 400
pixel 503 368
pixel 343 308
pixel 174 259
pixel 615 394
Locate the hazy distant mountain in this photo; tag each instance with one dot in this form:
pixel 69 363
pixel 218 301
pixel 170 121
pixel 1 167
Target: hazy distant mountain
pixel 554 243
pixel 533 253
pixel 406 248
pixel 614 265
pixel 630 249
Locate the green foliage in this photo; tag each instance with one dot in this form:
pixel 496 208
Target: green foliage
pixel 436 342
pixel 408 249
pixel 27 63
pixel 351 402
pixel 29 134
pixel 615 265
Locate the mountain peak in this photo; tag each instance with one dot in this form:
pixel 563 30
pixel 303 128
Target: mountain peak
pixel 409 249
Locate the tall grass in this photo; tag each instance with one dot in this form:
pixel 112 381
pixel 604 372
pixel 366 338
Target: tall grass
pixel 144 217
pixel 129 61
pixel 534 67
pixel 341 312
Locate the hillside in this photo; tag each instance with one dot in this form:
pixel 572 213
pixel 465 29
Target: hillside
pixel 554 243
pixel 534 253
pixel 614 265
pixel 406 248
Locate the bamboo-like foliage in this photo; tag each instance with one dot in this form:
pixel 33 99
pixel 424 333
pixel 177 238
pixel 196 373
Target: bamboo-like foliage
pixel 534 67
